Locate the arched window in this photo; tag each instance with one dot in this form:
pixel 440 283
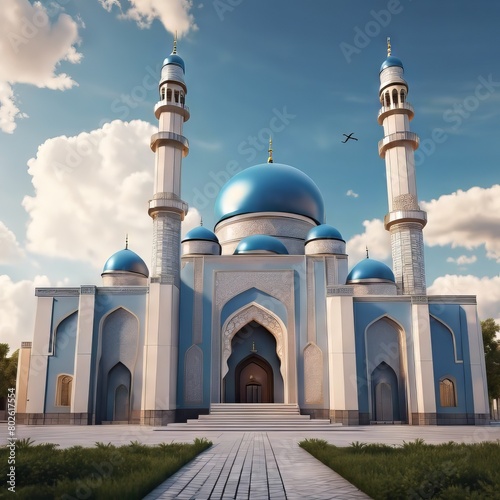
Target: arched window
pixel 182 99
pixel 387 99
pixel 177 96
pixel 163 94
pixel 169 95
pixel 402 96
pixel 447 394
pixel 64 386
pixel 394 96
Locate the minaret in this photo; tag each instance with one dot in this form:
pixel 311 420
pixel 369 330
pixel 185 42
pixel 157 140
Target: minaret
pixel 167 211
pixel 405 220
pixel 170 146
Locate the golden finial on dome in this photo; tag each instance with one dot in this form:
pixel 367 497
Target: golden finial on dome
pixel 367 256
pixel 174 51
pixel 388 46
pixel 270 151
pixel 126 241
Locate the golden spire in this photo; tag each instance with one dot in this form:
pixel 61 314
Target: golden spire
pixel 388 46
pixel 270 151
pixel 174 51
pixel 126 241
pixel 367 256
pixel 201 221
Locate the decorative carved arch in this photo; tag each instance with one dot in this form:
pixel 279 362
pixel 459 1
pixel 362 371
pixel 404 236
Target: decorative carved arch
pixel 193 375
pixel 262 316
pixel 52 349
pixel 452 337
pixel 403 358
pixel 313 374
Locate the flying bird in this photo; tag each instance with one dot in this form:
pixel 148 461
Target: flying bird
pixel 349 137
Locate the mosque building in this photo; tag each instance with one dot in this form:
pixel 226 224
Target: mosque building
pixel 266 308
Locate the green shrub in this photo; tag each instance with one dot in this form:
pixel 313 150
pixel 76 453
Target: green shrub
pixel 102 472
pixel 416 470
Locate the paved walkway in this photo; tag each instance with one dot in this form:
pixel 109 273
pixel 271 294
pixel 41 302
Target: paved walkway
pixel 255 465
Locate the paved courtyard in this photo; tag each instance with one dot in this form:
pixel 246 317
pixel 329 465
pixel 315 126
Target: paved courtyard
pixel 256 465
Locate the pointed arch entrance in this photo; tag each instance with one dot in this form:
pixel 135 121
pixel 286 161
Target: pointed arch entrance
pixel 386 355
pixel 254 380
pixel 385 394
pixel 253 368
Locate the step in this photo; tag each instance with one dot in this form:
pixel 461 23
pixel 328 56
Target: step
pixel 252 427
pixel 216 423
pixel 257 416
pixel 253 408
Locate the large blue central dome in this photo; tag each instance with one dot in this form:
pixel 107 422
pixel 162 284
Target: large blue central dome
pixel 270 187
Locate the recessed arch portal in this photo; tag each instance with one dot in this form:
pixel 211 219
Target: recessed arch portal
pixel 264 317
pixel 253 368
pixel 386 360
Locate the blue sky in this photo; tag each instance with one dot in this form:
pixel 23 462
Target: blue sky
pixel 78 86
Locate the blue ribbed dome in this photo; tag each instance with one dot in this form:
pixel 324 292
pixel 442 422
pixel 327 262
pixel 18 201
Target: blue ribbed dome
pixel 391 61
pixel 126 261
pixel 175 59
pixel 324 232
pixel 200 233
pixel 270 187
pixel 260 243
pixel 369 270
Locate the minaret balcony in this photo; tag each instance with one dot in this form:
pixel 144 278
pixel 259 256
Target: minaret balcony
pixel 401 107
pixel 400 216
pixel 167 202
pixel 176 140
pixel 398 139
pixel 172 107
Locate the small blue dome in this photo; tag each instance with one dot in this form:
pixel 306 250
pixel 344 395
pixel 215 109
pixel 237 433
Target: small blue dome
pixel 260 243
pixel 175 59
pixel 270 187
pixel 200 233
pixel 369 270
pixel 324 232
pixel 127 261
pixel 391 61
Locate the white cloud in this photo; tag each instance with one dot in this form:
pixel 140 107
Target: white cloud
pixel 375 237
pixel 31 48
pixel 8 109
pixel 174 14
pixel 90 191
pixel 465 219
pixel 10 250
pixel 462 260
pixel 486 289
pixel 17 309
pixel 351 193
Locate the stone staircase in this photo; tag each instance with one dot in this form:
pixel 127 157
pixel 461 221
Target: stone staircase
pixel 254 417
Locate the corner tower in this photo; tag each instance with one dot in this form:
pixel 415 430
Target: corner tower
pixel 405 220
pixel 167 210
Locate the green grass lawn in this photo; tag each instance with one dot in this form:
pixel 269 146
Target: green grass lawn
pixel 103 472
pixel 415 470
